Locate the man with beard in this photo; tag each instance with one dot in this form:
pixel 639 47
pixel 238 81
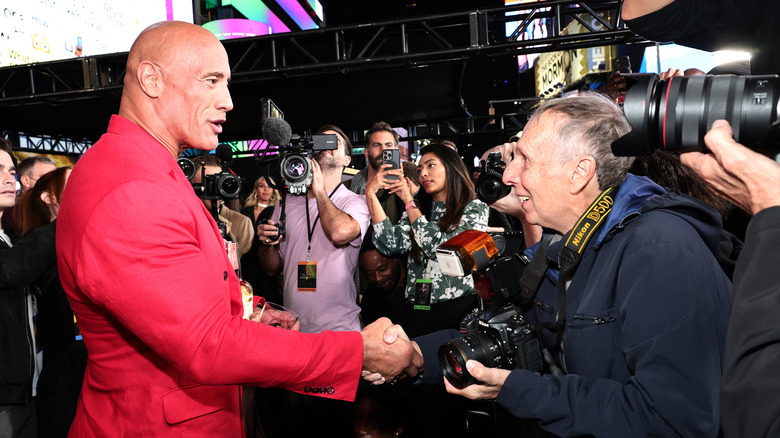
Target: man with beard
pixel 319 251
pixel 381 136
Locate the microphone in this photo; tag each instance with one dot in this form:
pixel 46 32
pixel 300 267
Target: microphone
pixel 276 131
pixel 225 154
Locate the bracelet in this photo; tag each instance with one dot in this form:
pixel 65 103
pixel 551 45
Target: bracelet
pixel 411 204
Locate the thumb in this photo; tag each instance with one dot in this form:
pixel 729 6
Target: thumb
pixel 477 370
pixel 391 334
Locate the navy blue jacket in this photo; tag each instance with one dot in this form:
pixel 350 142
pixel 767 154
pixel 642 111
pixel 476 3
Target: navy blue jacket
pixel 646 317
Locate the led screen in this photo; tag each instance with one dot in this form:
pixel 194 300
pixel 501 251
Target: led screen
pixel 48 30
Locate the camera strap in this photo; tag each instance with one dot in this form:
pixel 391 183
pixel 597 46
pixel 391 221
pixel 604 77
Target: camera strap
pixel 534 272
pixel 576 241
pixel 310 227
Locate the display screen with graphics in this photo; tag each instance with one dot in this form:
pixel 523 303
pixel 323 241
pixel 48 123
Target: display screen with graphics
pixel 34 31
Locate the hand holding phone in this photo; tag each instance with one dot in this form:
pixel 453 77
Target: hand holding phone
pixel 392 157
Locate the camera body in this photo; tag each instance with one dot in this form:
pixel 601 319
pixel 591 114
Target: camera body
pixel 497 337
pixel 489 186
pixel 218 186
pixel 295 165
pixel 279 230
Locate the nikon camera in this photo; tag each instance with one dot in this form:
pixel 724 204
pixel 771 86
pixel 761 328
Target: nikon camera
pixel 498 336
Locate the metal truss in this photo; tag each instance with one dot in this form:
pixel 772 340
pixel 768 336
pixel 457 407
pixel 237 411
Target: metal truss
pixel 412 42
pixel 49 143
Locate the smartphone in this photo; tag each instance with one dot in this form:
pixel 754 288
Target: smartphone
pixel 622 63
pixel 392 156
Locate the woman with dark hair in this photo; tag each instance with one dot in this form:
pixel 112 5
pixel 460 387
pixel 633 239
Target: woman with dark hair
pixel 445 207
pixel 64 353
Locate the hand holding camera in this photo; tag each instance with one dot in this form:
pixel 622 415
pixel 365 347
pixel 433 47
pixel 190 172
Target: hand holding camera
pixel 270 232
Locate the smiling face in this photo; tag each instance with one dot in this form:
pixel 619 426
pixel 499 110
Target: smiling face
pixel 538 176
pixel 384 273
pixel 433 176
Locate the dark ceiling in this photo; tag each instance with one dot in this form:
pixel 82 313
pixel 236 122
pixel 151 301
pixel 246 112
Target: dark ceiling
pixel 353 99
pixel 403 93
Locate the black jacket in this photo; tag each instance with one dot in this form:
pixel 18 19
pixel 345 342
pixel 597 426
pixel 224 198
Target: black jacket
pixel 30 257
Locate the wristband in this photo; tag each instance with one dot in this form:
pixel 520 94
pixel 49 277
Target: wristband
pixel 411 204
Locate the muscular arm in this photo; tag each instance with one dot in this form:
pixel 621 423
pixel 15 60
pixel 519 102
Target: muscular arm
pixel 637 8
pixel 340 227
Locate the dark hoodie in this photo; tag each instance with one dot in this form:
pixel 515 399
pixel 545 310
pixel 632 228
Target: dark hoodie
pixel 646 318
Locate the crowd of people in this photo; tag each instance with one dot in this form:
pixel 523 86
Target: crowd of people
pixel 132 321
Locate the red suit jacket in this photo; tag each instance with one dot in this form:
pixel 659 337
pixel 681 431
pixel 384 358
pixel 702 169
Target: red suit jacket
pixel 148 278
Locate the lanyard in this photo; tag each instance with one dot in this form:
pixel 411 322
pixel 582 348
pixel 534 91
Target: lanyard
pixel 310 227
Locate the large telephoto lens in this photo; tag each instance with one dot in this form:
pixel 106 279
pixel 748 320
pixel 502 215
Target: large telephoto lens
pixel 675 114
pixel 478 346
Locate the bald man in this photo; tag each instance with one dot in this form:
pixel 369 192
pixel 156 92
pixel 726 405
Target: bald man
pixel 149 281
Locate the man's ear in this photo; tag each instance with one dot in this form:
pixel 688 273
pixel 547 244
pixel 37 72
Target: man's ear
pixel 149 79
pixel 583 171
pixel 347 160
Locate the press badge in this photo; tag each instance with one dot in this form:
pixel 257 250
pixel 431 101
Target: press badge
pixel 422 294
pixel 307 276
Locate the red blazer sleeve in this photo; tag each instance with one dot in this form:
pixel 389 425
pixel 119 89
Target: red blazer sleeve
pixel 160 269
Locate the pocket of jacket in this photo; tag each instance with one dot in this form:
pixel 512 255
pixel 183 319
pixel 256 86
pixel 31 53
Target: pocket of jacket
pixel 182 404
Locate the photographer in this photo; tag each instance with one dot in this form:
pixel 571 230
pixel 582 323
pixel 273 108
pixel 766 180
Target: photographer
pixel 324 231
pixel 748 179
pixel 646 305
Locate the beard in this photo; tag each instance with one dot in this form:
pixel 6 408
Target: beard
pixel 375 162
pixel 327 163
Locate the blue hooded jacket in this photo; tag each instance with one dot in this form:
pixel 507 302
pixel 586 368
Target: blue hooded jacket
pixel 645 324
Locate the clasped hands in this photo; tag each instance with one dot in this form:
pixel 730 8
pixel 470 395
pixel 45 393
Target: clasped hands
pixel 388 354
pixel 410 363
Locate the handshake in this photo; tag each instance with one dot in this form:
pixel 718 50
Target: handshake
pixel 388 354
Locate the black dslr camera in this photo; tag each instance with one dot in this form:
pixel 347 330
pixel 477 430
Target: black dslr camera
pixel 296 159
pixel 497 336
pixel 489 186
pixel 218 186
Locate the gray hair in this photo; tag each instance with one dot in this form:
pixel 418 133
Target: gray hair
pixel 25 167
pixel 591 122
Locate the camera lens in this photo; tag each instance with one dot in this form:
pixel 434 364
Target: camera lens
pixel 479 346
pixel 187 166
pixel 295 168
pixel 490 188
pixel 675 114
pixel 229 187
